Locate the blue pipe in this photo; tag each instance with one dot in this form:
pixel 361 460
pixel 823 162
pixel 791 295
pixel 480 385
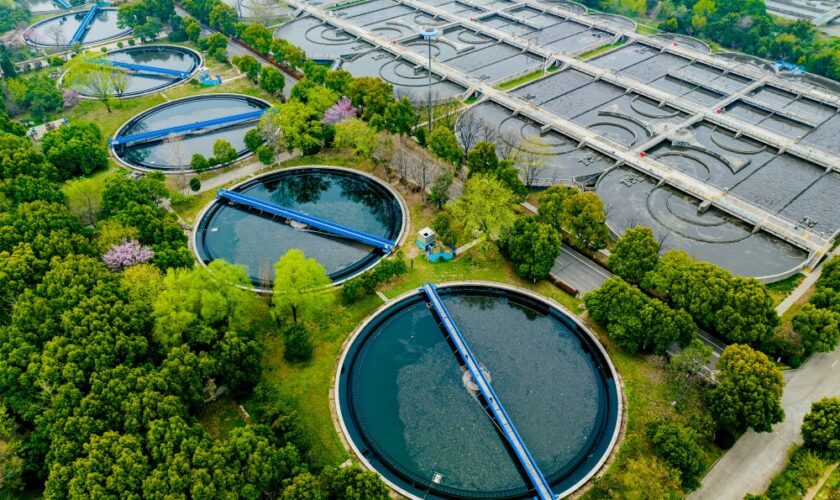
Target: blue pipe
pixel 503 421
pixel 189 127
pixel 62 3
pixel 310 220
pixel 80 31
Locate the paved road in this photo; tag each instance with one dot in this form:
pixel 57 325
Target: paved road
pixel 749 466
pixel 578 271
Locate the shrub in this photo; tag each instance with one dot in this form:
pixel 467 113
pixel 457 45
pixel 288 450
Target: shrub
pixel 802 472
pixel 265 154
pixel 821 428
pixel 253 139
pixel 131 42
pixel 678 447
pixel 356 288
pixel 195 184
pixel 297 344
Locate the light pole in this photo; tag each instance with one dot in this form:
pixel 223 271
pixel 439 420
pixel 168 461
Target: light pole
pixel 430 33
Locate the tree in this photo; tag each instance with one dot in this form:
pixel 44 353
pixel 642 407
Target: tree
pixel 702 291
pixel 192 28
pixel 265 154
pixel 297 281
pixel 338 81
pixel 295 126
pixel 215 45
pixel 127 254
pixel 288 53
pixel 532 246
pixel 356 135
pixel 195 184
pixel 340 111
pixel 584 216
pixel 637 478
pixel 552 202
pixel 444 227
pixel 112 465
pixel 353 483
pixel 248 66
pixel 399 116
pixel 819 329
pixel 749 391
pixel 485 207
pixel 272 80
pixel 443 144
pixel 370 95
pixel 304 487
pixel 747 314
pixel 482 159
pixel 670 269
pixel 96 80
pixel 11 463
pixel 223 152
pixel 223 17
pixel 821 428
pixel 199 163
pixel 634 254
pixel 75 149
pixel 678 447
pixel 257 36
pixel 439 193
pixel 297 343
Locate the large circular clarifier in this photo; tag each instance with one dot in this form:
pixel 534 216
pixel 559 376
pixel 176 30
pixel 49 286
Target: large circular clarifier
pixel 58 31
pixel 170 57
pixel 411 413
pixel 173 153
pixel 257 241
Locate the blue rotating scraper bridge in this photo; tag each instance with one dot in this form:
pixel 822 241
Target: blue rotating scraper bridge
pixel 187 128
pixel 387 246
pixel 494 405
pixel 142 68
pixel 85 25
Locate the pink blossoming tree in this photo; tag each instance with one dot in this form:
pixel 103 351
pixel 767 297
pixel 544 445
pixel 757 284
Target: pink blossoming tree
pixel 339 112
pixel 127 254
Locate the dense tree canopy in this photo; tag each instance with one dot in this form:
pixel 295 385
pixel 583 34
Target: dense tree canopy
pixel 634 254
pixel 821 428
pixel 678 447
pixel 297 284
pixel 485 208
pixel 532 246
pixel 75 149
pixel 749 391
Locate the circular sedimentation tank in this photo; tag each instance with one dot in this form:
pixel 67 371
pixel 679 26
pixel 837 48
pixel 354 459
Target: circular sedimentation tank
pixel 347 197
pixel 41 6
pixel 172 57
pixel 175 154
pixel 410 414
pixel 58 31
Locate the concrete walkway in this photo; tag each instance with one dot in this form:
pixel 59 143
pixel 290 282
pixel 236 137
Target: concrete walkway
pixel 239 173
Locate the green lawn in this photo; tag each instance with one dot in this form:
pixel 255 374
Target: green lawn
pixel 525 78
pixel 782 289
pixel 600 50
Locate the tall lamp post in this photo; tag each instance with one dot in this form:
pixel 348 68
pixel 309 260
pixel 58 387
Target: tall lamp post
pixel 430 33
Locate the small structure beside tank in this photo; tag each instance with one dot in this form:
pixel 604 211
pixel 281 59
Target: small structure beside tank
pixel 434 251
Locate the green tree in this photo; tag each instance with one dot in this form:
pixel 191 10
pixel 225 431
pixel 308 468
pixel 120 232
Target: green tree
pixel 96 80
pixel 444 145
pixel 819 329
pixel 532 247
pixel 747 314
pixel 265 154
pixel 399 116
pixel 586 220
pixel 272 80
pixel 634 254
pixel 112 465
pixel 75 149
pixel 195 184
pixel 223 152
pixel 248 66
pixel 670 269
pixel 199 163
pixel 749 391
pixel 485 208
pixel 304 487
pixel 552 202
pixel 297 284
pixel 356 135
pixel 482 159
pixel 257 36
pixel 223 18
pixel 678 446
pixel 701 291
pixel 439 192
pixel 338 81
pixel 285 52
pixel 298 126
pixel 192 28
pixel 821 428
pixel 353 483
pixel 370 95
pixel 253 139
pixel 297 343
